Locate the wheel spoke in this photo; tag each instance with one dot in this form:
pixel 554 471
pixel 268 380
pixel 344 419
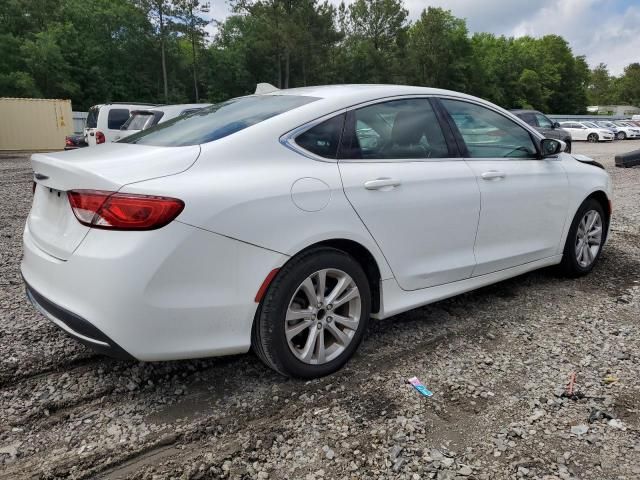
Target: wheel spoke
pixel 321 350
pixel 310 292
pixel 341 337
pixel 322 285
pixel 595 232
pixel 350 295
pixel 293 314
pixel 589 253
pixel 298 328
pixel 343 282
pixel 345 321
pixel 310 345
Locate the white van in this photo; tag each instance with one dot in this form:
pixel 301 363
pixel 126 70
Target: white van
pixel 104 121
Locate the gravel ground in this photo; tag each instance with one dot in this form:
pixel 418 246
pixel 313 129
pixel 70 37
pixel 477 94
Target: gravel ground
pixel 497 359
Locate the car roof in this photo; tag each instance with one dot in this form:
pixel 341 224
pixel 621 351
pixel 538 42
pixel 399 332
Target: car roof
pixel 358 93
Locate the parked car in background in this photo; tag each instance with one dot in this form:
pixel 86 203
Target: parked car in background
pixel 283 221
pixel 104 121
pixel 546 126
pixel 626 131
pixel 595 125
pixel 631 125
pixel 143 119
pixel 588 133
pixel 71 142
pixel 610 125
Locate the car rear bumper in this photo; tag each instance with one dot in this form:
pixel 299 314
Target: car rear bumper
pixel 172 293
pixel 76 326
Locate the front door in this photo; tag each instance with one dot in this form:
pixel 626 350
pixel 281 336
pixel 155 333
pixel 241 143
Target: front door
pixel 524 199
pixel 420 203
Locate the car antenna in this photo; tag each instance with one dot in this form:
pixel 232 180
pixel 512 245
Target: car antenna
pixel 263 88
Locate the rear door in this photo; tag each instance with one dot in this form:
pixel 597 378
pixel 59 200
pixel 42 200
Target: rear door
pixel 420 203
pixel 524 199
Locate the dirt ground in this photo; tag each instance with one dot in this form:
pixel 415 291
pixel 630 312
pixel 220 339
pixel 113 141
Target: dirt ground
pixel 497 359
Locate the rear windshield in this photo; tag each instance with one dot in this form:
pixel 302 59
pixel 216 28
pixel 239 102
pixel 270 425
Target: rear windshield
pixel 217 121
pixel 92 117
pixel 138 121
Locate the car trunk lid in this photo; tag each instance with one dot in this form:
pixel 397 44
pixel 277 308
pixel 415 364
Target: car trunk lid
pixel 51 222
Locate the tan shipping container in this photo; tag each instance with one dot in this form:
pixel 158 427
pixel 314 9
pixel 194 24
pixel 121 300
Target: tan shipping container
pixel 34 123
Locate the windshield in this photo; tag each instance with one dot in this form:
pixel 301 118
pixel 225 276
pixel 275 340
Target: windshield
pixel 217 121
pixel 590 125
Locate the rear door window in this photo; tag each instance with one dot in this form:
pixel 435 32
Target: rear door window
pixel 397 129
pixel 117 117
pixel 217 121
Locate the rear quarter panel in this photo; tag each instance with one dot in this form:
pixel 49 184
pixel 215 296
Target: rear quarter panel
pixel 241 187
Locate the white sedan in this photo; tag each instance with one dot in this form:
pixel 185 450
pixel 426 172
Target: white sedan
pixel 284 221
pixel 587 132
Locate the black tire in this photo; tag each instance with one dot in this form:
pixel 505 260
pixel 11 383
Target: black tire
pixel 568 149
pixel 268 337
pixel 593 138
pixel 622 136
pixel 569 265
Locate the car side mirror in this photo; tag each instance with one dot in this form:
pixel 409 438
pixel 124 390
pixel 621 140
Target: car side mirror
pixel 551 147
pixel 556 125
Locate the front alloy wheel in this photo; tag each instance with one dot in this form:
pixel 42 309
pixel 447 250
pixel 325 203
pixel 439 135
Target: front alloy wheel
pixel 585 239
pixel 588 238
pixel 592 138
pixel 313 315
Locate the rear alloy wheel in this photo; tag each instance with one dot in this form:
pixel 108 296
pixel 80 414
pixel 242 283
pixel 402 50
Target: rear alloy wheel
pixel 622 136
pixel 314 314
pixel 592 138
pixel 585 239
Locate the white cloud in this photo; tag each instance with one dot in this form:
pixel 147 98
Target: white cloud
pixel 603 30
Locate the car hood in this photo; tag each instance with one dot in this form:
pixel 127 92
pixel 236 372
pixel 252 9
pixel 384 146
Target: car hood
pixel 588 160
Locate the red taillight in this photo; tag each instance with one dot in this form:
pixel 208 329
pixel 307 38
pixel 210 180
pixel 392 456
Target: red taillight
pixel 123 211
pixel 100 138
pixel 68 142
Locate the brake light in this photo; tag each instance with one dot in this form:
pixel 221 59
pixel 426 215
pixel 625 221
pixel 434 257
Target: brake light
pixel 68 142
pixel 123 211
pixel 100 138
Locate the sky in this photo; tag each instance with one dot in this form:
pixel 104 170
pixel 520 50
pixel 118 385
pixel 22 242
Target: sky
pixel 605 31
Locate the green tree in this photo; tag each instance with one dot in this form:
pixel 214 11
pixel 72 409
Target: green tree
pixel 629 85
pixel 440 50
